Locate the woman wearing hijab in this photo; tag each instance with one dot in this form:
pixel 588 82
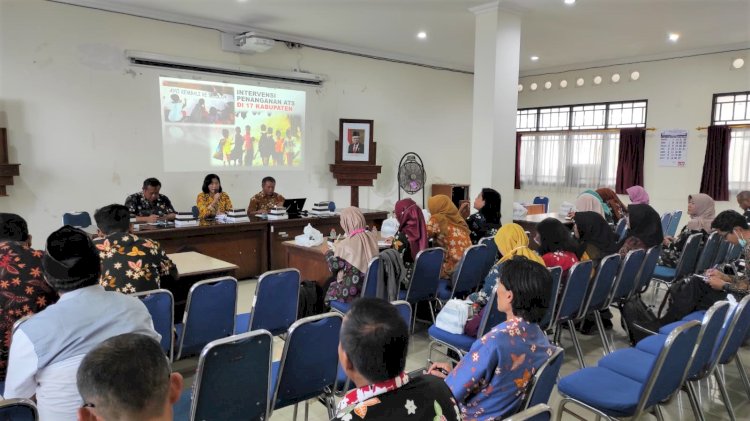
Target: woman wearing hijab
pixel 486 221
pixel 595 235
pixel 449 231
pixel 350 256
pixel 637 195
pixel 701 210
pixel 557 245
pixel 644 229
pixel 613 203
pixel 589 201
pixel 411 237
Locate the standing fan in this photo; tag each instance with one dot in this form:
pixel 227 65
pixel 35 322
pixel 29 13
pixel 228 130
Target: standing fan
pixel 411 175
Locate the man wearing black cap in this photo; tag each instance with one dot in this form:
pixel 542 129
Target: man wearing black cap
pixel 24 291
pixel 47 349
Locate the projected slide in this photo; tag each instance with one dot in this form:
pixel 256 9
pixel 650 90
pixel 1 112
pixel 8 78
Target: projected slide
pixel 211 126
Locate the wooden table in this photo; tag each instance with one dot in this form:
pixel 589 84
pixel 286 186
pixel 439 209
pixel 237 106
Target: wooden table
pixel 534 209
pixel 194 267
pixel 529 223
pixel 310 261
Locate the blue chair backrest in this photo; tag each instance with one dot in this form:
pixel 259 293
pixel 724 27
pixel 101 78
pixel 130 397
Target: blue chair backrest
pixel 209 314
pixel 574 294
pixel 733 253
pixel 721 253
pixel 491 253
pixel 425 274
pixel 545 379
pixel 666 218
pixel 309 362
pixel 275 303
pixel 233 378
pixel 404 309
pixel 689 257
pixel 622 226
pixel 491 316
pixel 668 372
pixel 707 338
pixel 77 219
pixel 556 273
pixel 708 254
pixel 603 283
pixel 542 200
pixel 468 275
pixel 371 279
pixel 674 223
pixel 647 269
pixel 736 331
pixel 18 410
pixel 628 273
pixel 160 304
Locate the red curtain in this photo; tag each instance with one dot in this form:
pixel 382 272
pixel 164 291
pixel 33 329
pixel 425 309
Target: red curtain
pixel 630 159
pixel 715 179
pixel 517 183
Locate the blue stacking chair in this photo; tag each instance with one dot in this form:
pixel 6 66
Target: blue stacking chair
pixel 708 254
pixel 404 309
pixel 160 304
pixel 491 252
pixel 232 381
pixel 77 219
pixel 610 394
pixel 664 275
pixel 597 298
pixel 467 276
pixel 424 279
pixel 733 253
pixel 460 343
pixel 666 218
pixel 275 303
pixel 369 288
pixel 704 360
pixel 549 315
pixel 538 412
pixel 209 315
pixel 626 282
pixel 540 388
pixel 674 223
pixel 542 200
pixel 647 270
pixel 309 363
pixel 736 333
pixel 572 302
pixel 621 227
pixel 721 253
pixel 18 410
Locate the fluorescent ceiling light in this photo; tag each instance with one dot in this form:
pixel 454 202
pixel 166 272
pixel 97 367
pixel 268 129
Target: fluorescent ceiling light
pixel 422 35
pixel 569 2
pixel 534 58
pixel 674 36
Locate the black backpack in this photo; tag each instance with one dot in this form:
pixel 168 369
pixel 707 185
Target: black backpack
pixel 310 299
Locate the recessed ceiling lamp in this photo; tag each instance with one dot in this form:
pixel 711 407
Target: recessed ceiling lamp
pixel 547 85
pixel 422 35
pixel 534 58
pixel 597 80
pixel 580 81
pixel 616 77
pixel 563 83
pixel 534 86
pixel 569 2
pixel 635 75
pixel 673 36
pixel 520 87
pixel 738 63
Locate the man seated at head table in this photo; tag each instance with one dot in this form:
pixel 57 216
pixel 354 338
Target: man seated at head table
pixel 266 199
pixel 127 378
pixel 129 263
pixel 21 280
pixel 47 349
pixel 372 352
pixel 148 205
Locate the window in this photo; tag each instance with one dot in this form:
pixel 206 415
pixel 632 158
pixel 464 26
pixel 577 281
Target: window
pixel 565 148
pixel 734 109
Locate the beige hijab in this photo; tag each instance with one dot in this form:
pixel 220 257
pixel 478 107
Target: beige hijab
pixel 359 246
pixel 703 212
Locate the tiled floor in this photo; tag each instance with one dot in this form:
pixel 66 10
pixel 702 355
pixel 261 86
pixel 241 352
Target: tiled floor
pixel 677 409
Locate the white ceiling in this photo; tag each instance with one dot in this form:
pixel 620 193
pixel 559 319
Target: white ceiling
pixel 592 32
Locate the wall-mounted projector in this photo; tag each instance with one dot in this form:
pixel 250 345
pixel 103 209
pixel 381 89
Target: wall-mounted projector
pixel 251 43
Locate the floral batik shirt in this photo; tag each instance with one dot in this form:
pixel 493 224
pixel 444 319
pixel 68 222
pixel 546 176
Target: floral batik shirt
pixel 490 381
pixel 132 264
pixel 23 290
pixel 401 398
pixel 138 205
pixel 455 242
pixel 347 286
pixel 261 202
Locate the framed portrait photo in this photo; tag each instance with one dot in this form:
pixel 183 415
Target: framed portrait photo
pixel 356 144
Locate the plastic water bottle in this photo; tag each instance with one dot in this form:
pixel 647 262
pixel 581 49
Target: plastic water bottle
pixel 332 236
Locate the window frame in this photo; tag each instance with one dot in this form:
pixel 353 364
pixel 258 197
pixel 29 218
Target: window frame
pixel 714 103
pixel 569 127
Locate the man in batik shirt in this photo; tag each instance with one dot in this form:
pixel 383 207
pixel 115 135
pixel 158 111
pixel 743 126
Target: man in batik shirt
pixel 372 352
pixel 129 263
pixel 266 199
pixel 23 290
pixel 149 205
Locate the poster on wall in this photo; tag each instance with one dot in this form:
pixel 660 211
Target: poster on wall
pixel 673 148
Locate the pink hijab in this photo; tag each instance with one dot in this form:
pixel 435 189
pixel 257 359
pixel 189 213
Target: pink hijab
pixel 360 246
pixel 637 195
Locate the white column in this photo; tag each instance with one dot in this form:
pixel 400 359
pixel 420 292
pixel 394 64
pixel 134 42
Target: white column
pixel 496 64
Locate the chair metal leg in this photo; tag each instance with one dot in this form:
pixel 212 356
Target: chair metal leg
pixel 307 408
pixel 693 397
pixel 658 413
pixel 743 374
pixel 579 352
pixel 600 327
pixel 724 395
pixel 294 417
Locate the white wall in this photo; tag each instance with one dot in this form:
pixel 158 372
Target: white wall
pixel 679 94
pixel 85 126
